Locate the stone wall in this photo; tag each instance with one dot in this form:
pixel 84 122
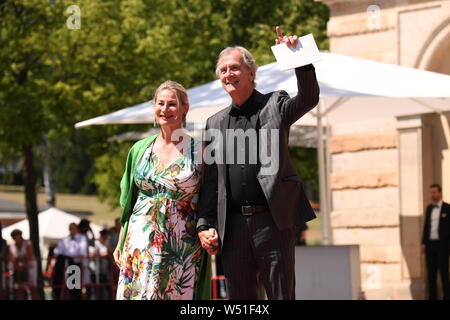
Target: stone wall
pixel 380 170
pixel 401 32
pixel 365 202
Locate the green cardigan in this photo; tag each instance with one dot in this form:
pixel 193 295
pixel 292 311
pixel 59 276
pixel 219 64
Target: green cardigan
pixel 128 193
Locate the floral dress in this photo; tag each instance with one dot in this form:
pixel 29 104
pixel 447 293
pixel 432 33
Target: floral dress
pixel 161 255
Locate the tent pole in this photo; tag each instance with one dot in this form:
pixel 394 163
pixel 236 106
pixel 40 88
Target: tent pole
pixel 322 179
pixel 327 156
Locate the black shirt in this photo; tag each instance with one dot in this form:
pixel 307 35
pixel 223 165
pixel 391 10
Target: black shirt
pixel 243 187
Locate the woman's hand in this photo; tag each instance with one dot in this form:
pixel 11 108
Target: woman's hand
pixel 116 255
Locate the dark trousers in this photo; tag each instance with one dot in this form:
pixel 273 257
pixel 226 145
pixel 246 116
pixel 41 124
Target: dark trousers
pixel 253 244
pixel 437 255
pixel 60 290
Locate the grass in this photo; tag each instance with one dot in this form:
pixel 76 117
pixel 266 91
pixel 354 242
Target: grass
pixel 101 212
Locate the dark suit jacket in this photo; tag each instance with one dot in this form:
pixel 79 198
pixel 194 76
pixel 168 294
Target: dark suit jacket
pixel 444 224
pixel 284 193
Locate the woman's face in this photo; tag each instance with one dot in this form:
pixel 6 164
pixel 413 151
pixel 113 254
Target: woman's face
pixel 17 238
pixel 168 109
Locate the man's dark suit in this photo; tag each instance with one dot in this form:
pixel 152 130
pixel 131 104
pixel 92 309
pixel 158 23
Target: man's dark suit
pixel 288 204
pixel 437 251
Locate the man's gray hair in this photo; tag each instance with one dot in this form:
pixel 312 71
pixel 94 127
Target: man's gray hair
pixel 246 56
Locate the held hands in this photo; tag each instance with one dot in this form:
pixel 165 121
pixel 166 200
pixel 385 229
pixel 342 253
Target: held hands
pixel 209 240
pixel 291 41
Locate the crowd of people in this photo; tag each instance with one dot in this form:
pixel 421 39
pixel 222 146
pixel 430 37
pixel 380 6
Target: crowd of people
pixel 90 256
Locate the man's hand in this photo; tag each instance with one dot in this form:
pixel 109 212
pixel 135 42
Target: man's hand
pixel 209 240
pixel 291 41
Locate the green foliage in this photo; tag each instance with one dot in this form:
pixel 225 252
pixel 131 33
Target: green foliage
pixel 109 169
pixel 305 162
pixel 69 161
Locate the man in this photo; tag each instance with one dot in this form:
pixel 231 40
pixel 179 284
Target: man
pixel 4 295
pixel 102 266
pixel 114 235
pixel 70 251
pixel 255 212
pixel 436 242
pixel 112 244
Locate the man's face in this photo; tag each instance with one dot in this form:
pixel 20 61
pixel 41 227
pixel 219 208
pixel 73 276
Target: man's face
pixel 236 77
pixel 73 229
pixel 436 196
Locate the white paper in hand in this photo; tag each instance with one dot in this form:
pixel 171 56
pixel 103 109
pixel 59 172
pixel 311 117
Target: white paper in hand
pixel 305 53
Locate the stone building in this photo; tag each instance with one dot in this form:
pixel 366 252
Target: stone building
pixel 380 170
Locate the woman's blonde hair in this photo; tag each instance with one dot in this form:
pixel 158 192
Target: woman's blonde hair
pixel 180 92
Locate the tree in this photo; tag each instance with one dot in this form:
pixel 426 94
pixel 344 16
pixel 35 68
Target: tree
pixel 24 30
pixel 305 162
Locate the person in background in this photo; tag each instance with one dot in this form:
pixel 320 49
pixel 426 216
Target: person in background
pixel 102 266
pixel 113 240
pixel 114 235
pixel 436 242
pixel 50 263
pixel 70 251
pixel 84 228
pixel 25 267
pixel 3 263
pixel 88 264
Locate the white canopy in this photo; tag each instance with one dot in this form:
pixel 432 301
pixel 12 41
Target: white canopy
pixel 53 225
pixel 140 113
pixel 338 76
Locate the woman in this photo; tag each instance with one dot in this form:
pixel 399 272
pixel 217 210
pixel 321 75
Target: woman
pixel 159 253
pixel 25 267
pixel 3 263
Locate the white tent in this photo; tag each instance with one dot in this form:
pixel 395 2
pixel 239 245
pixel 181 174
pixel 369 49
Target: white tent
pixel 339 77
pixel 53 225
pixel 141 113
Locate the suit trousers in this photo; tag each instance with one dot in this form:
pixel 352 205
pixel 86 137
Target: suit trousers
pixel 437 255
pixel 252 245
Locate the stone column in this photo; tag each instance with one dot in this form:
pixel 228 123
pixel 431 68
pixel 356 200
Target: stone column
pixel 415 175
pixel 364 188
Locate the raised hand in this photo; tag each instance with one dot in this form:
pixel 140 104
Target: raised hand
pixel 291 41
